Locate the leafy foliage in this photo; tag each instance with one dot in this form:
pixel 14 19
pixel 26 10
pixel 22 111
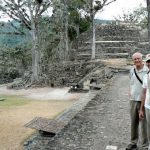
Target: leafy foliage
pixel 14 61
pixel 137 16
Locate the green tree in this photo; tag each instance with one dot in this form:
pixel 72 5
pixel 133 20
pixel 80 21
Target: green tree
pixel 137 16
pixel 68 23
pixel 29 13
pixel 77 21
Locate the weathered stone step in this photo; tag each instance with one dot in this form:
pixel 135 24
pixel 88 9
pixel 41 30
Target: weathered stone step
pixel 113 49
pixel 109 48
pixel 116 32
pixel 87 52
pixel 83 56
pixel 113 42
pixel 106 49
pixel 87 56
pixel 116 55
pixel 110 44
pixel 84 49
pixel 118 38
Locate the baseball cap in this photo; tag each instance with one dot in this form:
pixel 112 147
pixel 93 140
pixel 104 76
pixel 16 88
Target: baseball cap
pixel 147 57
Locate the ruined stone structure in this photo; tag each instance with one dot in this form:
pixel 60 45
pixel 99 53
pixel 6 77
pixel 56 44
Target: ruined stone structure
pixel 112 41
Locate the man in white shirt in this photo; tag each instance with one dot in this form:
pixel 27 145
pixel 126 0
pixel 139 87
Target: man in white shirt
pixel 136 78
pixel 145 98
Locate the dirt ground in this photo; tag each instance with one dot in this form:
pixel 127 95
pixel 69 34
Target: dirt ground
pixel 45 93
pixel 43 102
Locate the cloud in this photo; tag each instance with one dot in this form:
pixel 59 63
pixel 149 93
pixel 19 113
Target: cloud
pixel 117 7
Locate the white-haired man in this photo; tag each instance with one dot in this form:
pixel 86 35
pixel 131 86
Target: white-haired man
pixel 136 78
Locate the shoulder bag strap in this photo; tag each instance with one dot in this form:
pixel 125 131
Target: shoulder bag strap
pixel 148 81
pixel 138 77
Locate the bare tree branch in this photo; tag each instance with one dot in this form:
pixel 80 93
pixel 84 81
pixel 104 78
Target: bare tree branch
pixel 18 10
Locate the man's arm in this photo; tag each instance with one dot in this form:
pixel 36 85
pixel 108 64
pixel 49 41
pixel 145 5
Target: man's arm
pixel 143 96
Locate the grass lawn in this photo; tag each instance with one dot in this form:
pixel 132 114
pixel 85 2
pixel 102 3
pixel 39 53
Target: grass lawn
pixel 16 111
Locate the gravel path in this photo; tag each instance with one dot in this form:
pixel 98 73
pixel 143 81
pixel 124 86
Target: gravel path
pixel 104 122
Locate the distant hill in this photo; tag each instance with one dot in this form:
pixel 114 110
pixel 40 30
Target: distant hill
pixel 100 21
pixel 9 36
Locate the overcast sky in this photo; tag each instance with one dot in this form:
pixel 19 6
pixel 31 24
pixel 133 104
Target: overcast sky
pixel 112 10
pixel 117 7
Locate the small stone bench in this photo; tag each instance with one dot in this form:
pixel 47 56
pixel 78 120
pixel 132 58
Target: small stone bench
pixel 117 55
pixel 51 126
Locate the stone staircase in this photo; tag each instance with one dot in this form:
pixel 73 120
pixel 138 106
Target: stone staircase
pixel 112 41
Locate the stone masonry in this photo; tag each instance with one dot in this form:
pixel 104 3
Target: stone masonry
pixel 112 41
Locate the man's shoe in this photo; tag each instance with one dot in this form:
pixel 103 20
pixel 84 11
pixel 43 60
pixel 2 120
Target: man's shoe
pixel 131 147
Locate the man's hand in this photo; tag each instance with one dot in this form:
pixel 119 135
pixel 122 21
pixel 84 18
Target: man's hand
pixel 141 114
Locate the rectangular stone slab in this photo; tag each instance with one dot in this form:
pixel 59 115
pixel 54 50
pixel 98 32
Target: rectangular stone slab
pixel 45 124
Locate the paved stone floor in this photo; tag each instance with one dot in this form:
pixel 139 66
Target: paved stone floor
pixel 104 122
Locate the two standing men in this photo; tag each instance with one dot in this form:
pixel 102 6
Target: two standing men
pixel 136 80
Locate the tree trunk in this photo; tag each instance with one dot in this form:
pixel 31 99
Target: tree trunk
pixel 61 46
pixel 78 32
pixel 93 29
pixel 66 39
pixel 148 9
pixel 35 47
pixel 35 57
pixel 93 38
